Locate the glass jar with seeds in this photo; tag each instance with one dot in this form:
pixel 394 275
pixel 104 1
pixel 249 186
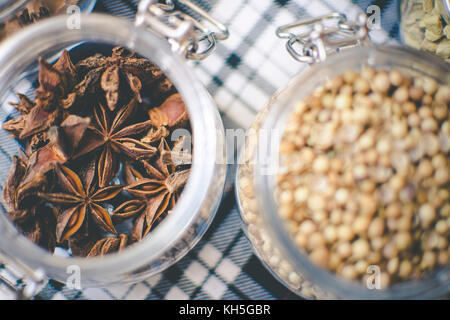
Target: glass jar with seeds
pixel 115 151
pixel 425 26
pixel 343 181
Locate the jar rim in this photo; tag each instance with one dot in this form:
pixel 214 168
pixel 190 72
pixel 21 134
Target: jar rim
pixel 25 46
pixel 279 109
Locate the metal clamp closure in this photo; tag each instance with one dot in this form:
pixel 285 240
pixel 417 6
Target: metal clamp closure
pixel 321 36
pixel 187 35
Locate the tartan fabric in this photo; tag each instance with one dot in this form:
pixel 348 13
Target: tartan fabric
pixel 241 75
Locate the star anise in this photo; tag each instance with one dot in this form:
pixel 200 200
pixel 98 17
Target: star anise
pixel 114 138
pixel 38 164
pixel 15 175
pixel 54 83
pixel 155 134
pixel 82 242
pixel 40 226
pixel 35 120
pixel 24 105
pixel 108 245
pixel 171 113
pixel 74 128
pixel 158 194
pixel 83 199
pixel 35 220
pixel 33 11
pixel 83 87
pixel 85 121
pixel 27 17
pixel 122 65
pixel 91 243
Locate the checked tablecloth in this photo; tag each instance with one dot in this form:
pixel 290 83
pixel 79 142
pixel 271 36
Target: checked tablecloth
pixel 241 75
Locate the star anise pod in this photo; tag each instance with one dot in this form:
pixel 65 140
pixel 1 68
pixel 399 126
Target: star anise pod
pixel 158 194
pixel 180 154
pixel 108 245
pixel 74 128
pixel 38 164
pixel 32 12
pixel 82 242
pixel 15 175
pixel 79 91
pixel 56 80
pixel 153 80
pixel 171 113
pixel 114 138
pixel 155 134
pixel 35 220
pixel 37 119
pixel 54 83
pixel 24 105
pixel 41 228
pixel 83 199
pixel 121 66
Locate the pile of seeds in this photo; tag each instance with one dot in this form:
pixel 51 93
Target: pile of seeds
pixel 364 175
pixel 98 169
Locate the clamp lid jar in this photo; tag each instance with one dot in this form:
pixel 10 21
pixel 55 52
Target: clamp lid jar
pixel 308 212
pixel 180 230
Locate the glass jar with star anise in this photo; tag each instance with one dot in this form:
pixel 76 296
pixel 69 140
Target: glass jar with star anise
pixel 113 154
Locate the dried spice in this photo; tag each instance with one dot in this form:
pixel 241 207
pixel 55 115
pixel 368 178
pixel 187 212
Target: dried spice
pixel 122 69
pixel 425 26
pixel 303 142
pixel 364 175
pixel 172 113
pixel 114 138
pixel 38 116
pixel 83 199
pixel 86 122
pixel 40 226
pixel 158 192
pixel 108 245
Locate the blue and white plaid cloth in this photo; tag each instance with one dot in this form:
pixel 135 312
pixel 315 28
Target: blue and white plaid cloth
pixel 241 75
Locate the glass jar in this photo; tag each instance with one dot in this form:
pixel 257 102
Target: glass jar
pixel 256 178
pixel 424 25
pixel 196 207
